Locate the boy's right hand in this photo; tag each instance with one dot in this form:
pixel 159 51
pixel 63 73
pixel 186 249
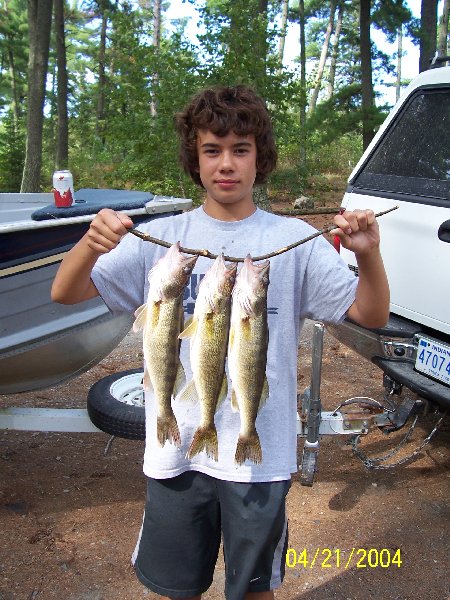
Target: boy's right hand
pixel 107 229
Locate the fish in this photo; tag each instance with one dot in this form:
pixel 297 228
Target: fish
pixel 208 332
pixel 247 354
pixel 161 320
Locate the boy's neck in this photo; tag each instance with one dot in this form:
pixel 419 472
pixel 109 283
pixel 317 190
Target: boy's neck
pixel 228 212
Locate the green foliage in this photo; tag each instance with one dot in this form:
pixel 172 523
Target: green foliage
pixel 135 145
pixel 13 53
pixel 339 115
pixel 339 155
pixel 12 154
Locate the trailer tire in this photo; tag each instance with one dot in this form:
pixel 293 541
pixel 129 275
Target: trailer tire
pixel 115 404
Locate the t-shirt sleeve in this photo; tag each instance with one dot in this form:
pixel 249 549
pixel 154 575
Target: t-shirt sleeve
pixel 329 287
pixel 119 276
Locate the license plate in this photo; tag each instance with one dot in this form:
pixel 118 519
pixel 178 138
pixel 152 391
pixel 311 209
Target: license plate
pixel 433 359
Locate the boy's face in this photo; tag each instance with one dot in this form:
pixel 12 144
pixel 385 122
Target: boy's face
pixel 227 167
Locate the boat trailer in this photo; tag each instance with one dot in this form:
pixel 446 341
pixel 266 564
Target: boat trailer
pixel 353 417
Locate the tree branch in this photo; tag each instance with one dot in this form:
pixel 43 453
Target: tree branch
pixel 148 238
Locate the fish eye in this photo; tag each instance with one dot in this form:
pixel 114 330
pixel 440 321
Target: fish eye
pixel 187 269
pixel 265 279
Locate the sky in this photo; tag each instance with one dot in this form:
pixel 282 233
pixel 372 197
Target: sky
pixel 410 61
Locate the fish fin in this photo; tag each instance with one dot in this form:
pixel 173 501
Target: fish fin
pixel 189 392
pixel 188 321
pixel 146 382
pixel 167 430
pixel 141 315
pixel 190 330
pixel 234 401
pixel 230 340
pixel 264 393
pixel 205 438
pixel 248 447
pixel 180 380
pixel 223 391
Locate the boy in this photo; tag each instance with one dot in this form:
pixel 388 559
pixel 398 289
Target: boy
pixel 226 146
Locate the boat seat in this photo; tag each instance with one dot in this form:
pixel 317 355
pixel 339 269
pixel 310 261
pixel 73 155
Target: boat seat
pixel 89 201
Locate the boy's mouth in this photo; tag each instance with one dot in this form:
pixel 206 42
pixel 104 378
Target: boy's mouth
pixel 227 182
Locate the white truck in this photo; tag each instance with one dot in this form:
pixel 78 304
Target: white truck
pixel 408 164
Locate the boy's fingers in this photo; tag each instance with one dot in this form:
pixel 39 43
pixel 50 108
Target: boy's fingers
pixel 103 242
pixel 343 224
pixel 111 225
pixel 125 220
pixel 353 221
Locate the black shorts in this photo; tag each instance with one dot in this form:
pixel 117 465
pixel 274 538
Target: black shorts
pixel 184 520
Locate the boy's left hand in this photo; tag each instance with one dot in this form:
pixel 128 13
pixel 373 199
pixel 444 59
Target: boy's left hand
pixel 358 231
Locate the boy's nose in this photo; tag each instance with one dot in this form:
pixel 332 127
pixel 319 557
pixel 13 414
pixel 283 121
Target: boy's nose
pixel 226 164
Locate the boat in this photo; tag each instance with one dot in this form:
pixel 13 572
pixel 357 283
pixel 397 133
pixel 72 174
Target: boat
pixel 43 343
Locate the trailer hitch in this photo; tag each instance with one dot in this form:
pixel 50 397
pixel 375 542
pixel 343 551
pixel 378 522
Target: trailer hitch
pixel 354 416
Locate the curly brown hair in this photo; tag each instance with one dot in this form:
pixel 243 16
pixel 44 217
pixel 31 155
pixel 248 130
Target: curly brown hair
pixel 221 110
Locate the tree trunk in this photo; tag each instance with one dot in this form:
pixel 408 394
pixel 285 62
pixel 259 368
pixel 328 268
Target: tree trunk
pixel 398 85
pixel 100 126
pixel 428 33
pixel 282 40
pixel 15 102
pixel 301 16
pixel 366 72
pixel 322 60
pixel 262 47
pixel 443 30
pixel 156 44
pixel 62 133
pixel 12 73
pixel 39 25
pixel 334 54
pixel 261 198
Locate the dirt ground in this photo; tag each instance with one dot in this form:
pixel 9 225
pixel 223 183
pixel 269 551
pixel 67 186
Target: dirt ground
pixel 70 514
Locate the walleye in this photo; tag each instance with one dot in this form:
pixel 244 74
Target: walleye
pixel 247 354
pixel 161 318
pixel 208 347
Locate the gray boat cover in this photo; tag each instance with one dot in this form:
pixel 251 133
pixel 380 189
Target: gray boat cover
pixel 90 201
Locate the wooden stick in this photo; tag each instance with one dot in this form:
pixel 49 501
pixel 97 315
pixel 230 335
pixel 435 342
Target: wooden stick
pixel 148 238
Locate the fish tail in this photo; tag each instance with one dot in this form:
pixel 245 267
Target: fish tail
pixel 248 447
pixel 167 430
pixel 205 438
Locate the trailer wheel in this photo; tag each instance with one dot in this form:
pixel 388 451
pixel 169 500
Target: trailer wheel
pixel 115 404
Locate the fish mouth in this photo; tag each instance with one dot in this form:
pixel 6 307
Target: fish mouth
pixel 220 264
pixel 227 274
pixel 262 267
pixel 189 261
pixel 186 260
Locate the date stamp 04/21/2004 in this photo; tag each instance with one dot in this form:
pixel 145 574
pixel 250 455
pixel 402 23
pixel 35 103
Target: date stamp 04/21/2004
pixel 334 558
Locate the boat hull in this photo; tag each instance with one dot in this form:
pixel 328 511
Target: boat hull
pixel 43 343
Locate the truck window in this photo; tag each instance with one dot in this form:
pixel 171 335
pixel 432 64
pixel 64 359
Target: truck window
pixel 413 158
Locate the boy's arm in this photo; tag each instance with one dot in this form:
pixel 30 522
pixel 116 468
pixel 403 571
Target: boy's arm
pixel 73 282
pixel 358 231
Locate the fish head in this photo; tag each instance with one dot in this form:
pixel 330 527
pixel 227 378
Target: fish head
pixel 252 284
pixel 217 284
pixel 171 273
pixel 225 276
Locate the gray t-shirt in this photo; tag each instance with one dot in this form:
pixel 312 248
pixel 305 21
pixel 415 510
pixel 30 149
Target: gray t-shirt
pixel 310 281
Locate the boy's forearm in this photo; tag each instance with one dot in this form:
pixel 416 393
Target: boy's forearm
pixel 371 305
pixel 73 282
